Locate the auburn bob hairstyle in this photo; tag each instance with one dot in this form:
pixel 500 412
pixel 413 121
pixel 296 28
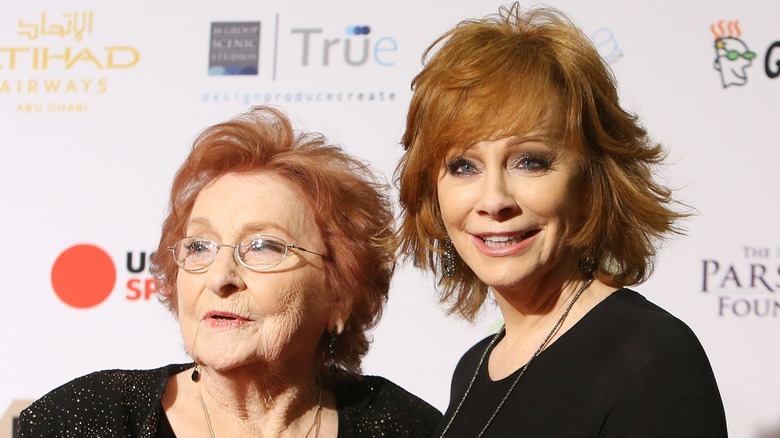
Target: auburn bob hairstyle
pixel 349 204
pixel 495 77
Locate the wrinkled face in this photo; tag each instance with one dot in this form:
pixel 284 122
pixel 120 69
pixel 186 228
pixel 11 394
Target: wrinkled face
pixel 231 316
pixel 509 205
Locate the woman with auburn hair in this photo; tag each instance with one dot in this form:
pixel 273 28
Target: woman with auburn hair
pixel 525 182
pixel 276 258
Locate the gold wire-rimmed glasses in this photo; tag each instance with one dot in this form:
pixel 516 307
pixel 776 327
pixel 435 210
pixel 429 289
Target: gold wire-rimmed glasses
pixel 259 252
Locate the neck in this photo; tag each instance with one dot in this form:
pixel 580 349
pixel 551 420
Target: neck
pixel 535 298
pixel 528 332
pixel 259 399
pixel 528 307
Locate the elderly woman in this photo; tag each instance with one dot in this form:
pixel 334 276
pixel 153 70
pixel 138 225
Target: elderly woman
pixel 523 178
pixel 276 257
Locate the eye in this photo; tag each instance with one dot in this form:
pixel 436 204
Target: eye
pixel 532 163
pixel 266 245
pixel 198 246
pixel 461 167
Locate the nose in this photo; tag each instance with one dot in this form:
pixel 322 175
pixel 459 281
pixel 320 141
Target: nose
pixel 223 277
pixel 496 200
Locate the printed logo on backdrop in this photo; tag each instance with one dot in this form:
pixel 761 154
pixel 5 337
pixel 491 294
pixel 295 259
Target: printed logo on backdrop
pixel 55 66
pixel 745 286
pixel 317 55
pixel 234 48
pixel 733 57
pixel 84 276
pixel 606 43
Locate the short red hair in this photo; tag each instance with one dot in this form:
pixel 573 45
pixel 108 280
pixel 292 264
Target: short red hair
pixel 494 77
pixel 350 207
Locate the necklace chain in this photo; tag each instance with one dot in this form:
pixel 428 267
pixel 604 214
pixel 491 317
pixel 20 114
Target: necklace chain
pixel 208 418
pixel 538 351
pixel 315 424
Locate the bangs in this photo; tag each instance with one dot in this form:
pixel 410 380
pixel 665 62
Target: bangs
pixel 494 96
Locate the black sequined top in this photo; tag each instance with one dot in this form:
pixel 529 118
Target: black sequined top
pixel 125 403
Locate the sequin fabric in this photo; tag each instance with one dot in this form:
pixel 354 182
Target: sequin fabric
pixel 375 407
pixel 114 403
pixel 126 403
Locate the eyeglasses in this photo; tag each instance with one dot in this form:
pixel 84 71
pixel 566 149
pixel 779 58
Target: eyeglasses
pixel 733 55
pixel 257 253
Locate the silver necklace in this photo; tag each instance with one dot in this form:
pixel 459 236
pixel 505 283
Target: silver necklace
pixel 315 424
pixel 522 370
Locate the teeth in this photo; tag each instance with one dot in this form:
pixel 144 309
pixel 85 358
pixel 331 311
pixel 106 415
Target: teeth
pixel 500 241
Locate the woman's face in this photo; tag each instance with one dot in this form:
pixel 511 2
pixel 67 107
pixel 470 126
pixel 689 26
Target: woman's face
pixel 508 205
pixel 231 316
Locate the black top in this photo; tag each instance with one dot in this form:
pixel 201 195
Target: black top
pixel 627 369
pixel 123 403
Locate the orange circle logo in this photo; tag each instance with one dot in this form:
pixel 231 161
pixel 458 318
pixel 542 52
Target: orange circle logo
pixel 83 276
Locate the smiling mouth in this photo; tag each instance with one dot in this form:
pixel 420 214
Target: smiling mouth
pixel 505 241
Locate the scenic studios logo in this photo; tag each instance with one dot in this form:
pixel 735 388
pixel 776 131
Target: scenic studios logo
pixel 733 57
pixel 234 48
pixel 282 60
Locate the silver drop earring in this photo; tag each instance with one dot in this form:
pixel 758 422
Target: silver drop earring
pixel 448 258
pixel 587 264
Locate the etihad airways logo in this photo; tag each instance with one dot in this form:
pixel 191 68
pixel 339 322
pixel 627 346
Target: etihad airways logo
pixel 55 65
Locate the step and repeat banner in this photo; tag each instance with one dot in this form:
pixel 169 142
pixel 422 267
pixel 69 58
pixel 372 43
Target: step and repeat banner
pixel 100 101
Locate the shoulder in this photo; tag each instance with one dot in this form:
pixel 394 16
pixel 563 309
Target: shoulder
pixel 374 406
pixel 95 400
pixel 470 361
pixel 660 376
pixel 113 384
pixel 635 320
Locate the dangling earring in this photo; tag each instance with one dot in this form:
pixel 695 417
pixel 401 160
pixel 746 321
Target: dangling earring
pixel 587 264
pixel 195 374
pixel 332 350
pixel 448 259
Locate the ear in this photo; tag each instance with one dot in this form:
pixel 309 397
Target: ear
pixel 340 310
pixel 336 324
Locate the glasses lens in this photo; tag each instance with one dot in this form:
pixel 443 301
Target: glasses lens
pixel 749 55
pixel 194 253
pixel 732 54
pixel 262 252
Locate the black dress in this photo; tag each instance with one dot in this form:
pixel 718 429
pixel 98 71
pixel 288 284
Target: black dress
pixel 123 403
pixel 626 369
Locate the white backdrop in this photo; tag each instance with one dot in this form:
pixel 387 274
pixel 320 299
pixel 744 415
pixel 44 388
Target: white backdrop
pixel 99 103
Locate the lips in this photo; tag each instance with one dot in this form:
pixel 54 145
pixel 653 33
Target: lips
pixel 220 319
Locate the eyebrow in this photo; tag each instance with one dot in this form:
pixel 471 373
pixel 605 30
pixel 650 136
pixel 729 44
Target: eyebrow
pixel 258 227
pixel 202 221
pixel 263 227
pixel 541 135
